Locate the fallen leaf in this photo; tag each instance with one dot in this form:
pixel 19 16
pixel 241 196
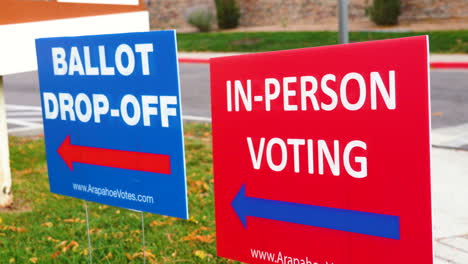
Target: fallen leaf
pixel 202 254
pixel 118 235
pixel 102 207
pixel 108 256
pixel 49 238
pixel 193 220
pixel 61 244
pixel 95 231
pixel 48 224
pixel 148 254
pixel 71 220
pixel 17 229
pixel 58 197
pixel 202 238
pixel 169 237
pixel 156 223
pixel 55 254
pixel 72 245
pixel 33 260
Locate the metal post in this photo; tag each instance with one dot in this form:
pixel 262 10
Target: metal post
pixel 6 197
pixel 90 248
pixel 343 21
pixel 143 236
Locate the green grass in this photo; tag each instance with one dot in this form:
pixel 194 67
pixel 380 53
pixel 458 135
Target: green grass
pixel 440 41
pixel 49 228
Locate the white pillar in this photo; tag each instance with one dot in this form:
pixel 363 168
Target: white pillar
pixel 6 196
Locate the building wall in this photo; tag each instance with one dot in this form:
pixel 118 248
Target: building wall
pixel 267 12
pixel 166 14
pixel 420 9
pixel 171 13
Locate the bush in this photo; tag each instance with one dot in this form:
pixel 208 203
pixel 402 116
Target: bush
pixel 200 17
pixel 385 12
pixel 228 13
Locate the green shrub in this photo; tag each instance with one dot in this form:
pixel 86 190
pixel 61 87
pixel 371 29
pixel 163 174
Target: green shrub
pixel 200 17
pixel 228 13
pixel 385 12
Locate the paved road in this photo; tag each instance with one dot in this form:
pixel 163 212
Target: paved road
pixel 449 102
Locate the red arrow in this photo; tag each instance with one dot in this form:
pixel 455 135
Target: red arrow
pixel 121 159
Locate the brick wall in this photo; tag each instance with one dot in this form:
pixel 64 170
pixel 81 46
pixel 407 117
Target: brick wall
pixel 171 13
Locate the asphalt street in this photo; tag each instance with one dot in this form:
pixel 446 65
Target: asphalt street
pixel 449 101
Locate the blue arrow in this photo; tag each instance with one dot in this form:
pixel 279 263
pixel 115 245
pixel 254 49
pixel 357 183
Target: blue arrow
pixel 387 226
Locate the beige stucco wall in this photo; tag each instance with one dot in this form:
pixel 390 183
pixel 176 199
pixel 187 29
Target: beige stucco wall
pixel 171 13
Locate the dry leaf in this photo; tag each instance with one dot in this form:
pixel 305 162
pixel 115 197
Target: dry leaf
pixel 108 256
pixel 49 238
pixel 156 223
pixel 169 237
pixel 48 224
pixel 55 254
pixel 202 254
pixel 33 260
pixel 58 197
pixel 102 207
pixel 71 220
pixel 17 229
pixel 129 257
pixel 95 231
pixel 148 254
pixel 202 238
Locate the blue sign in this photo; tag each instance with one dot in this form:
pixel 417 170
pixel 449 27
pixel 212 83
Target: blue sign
pixel 113 121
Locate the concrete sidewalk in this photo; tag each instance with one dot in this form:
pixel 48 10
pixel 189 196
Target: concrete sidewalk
pixel 450 205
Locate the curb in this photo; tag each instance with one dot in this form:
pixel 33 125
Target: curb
pixel 194 60
pixel 449 65
pixel 434 65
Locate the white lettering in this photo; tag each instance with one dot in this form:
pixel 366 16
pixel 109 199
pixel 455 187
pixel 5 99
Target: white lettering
pixel 269 94
pixel 144 49
pixel 167 111
pixel 51 108
pixel 126 101
pixel 125 70
pixel 58 60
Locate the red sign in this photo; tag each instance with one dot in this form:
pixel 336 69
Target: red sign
pixel 322 155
